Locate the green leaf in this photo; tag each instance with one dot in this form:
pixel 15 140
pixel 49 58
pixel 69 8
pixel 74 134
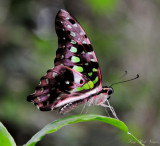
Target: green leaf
pixel 55 125
pixel 5 138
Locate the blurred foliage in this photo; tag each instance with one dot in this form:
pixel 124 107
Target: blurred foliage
pixel 102 6
pixel 125 36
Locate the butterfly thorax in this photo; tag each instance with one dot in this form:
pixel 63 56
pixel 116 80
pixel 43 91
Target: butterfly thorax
pixel 101 96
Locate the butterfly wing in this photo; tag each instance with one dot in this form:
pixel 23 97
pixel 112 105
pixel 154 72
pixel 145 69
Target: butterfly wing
pixel 74 48
pixel 76 74
pixel 56 87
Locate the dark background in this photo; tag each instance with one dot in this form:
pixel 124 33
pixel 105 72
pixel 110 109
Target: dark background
pixel 125 35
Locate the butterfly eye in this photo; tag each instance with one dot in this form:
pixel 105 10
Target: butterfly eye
pixel 110 92
pixel 81 81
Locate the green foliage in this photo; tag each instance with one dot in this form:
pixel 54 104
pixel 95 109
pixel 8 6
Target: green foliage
pixel 55 125
pixel 103 5
pixel 5 138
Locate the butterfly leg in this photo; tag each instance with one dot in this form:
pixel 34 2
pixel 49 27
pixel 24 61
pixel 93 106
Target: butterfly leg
pixel 110 107
pixel 89 103
pixel 106 109
pixel 83 108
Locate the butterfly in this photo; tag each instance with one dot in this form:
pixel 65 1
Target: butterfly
pixel 76 76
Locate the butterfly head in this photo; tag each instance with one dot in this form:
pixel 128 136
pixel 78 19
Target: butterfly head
pixel 107 91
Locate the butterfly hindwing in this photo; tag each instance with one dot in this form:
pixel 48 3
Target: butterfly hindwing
pixel 74 48
pixel 56 87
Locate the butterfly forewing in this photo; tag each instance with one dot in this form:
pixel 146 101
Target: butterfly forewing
pixel 74 48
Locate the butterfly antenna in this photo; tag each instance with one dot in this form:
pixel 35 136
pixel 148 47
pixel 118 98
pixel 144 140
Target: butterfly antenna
pixel 124 74
pixel 125 80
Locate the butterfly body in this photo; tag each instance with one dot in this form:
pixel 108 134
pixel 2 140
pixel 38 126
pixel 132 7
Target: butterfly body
pixel 76 77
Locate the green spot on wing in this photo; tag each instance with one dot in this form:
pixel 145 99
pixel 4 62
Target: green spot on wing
pixel 94 70
pixel 73 49
pixel 78 68
pixel 90 74
pixel 96 80
pixel 79 88
pixel 90 83
pixel 86 86
pixel 75 59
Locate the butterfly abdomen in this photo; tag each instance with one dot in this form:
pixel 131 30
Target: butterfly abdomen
pixel 68 107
